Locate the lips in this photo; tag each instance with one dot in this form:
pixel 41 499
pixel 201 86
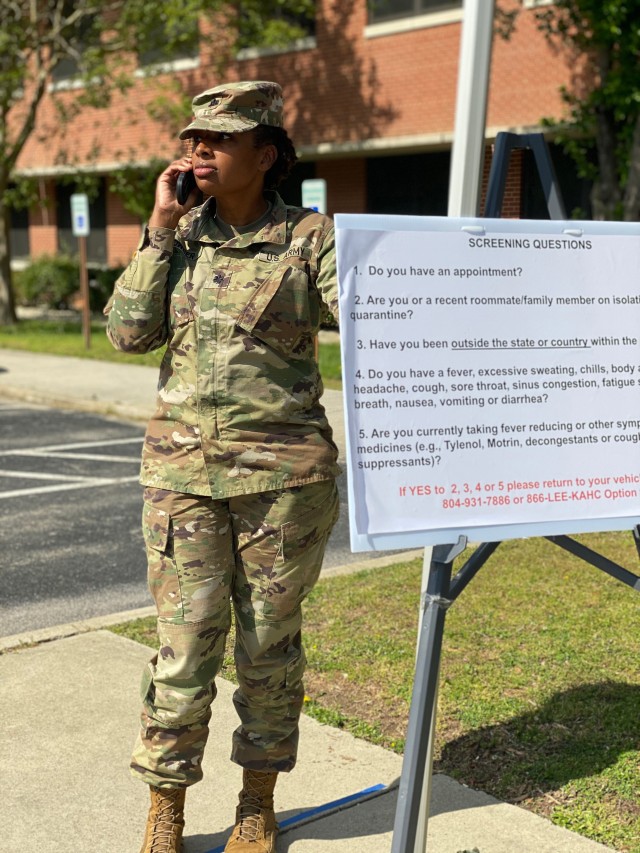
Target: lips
pixel 204 171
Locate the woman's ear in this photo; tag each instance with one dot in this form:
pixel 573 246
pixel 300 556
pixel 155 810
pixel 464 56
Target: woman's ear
pixel 269 156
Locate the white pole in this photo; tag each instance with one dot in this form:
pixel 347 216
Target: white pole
pixel 467 157
pixel 467 161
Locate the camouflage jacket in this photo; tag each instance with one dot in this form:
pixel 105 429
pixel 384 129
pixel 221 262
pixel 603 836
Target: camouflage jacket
pixel 238 398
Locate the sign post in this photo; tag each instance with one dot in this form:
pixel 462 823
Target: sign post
pixel 81 228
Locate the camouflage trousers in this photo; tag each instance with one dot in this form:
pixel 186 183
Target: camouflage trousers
pixel 261 554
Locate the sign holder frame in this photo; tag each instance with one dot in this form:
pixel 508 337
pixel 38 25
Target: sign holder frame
pixel 443 587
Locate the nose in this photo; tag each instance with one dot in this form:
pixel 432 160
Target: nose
pixel 203 147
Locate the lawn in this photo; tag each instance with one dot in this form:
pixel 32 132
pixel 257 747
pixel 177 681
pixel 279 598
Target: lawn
pixel 64 337
pixel 540 686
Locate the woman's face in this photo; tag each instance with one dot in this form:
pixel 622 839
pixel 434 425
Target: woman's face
pixel 226 164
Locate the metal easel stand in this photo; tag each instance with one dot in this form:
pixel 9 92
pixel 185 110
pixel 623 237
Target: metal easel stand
pixel 506 143
pixel 442 591
pixel 414 793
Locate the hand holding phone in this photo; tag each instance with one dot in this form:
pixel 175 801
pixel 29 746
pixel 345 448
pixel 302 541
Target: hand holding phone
pixel 185 185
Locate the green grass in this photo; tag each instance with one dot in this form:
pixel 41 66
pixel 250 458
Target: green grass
pixel 540 684
pixel 64 337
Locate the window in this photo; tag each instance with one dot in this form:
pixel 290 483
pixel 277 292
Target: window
pixel 574 190
pixel 291 188
pixel 19 234
pixel 78 35
pixel 388 10
pixel 284 32
pixel 415 184
pixel 165 45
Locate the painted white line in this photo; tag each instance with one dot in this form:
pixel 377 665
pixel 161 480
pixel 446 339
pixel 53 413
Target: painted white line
pixel 31 475
pixel 96 457
pixel 64 487
pixel 49 447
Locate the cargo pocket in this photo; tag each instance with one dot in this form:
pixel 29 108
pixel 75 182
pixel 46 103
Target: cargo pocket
pixel 162 575
pixel 300 556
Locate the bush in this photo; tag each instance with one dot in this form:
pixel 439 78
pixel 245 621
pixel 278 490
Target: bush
pixel 49 280
pixel 54 282
pixel 101 282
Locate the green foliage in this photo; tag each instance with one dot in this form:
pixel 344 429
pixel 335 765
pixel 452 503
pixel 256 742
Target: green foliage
pixel 272 23
pixel 51 280
pixel 601 131
pixel 101 283
pixel 330 365
pixel 137 187
pixel 22 193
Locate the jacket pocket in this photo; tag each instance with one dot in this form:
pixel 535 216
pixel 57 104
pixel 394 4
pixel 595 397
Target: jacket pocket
pixel 284 311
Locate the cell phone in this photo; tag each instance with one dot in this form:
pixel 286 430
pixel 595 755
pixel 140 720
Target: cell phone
pixel 186 183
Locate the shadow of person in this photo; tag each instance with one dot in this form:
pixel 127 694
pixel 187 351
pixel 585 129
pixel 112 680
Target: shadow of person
pixel 575 734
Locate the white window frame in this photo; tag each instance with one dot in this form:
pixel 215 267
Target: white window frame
pixel 186 63
pixel 306 43
pixel 413 22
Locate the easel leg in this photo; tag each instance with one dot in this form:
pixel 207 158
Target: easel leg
pixel 422 713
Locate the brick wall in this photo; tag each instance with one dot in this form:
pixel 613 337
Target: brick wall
pixel 43 230
pixel 123 232
pixel 350 89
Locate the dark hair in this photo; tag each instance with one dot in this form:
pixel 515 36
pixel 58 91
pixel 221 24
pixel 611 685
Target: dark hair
pixel 287 157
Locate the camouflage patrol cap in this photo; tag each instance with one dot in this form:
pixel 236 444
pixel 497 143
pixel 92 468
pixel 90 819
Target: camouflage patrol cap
pixel 236 107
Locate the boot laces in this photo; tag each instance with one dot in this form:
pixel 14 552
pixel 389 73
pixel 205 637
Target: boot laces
pixel 254 801
pixel 251 818
pixel 167 823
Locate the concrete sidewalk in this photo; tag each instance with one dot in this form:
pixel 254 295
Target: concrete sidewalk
pixel 69 711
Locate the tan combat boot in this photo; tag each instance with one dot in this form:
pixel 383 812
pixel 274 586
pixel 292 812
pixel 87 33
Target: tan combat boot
pixel 165 822
pixel 256 828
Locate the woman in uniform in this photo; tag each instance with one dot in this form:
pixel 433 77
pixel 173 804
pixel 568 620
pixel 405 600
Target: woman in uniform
pixel 238 463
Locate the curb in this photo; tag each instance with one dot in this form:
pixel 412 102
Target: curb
pixel 130 413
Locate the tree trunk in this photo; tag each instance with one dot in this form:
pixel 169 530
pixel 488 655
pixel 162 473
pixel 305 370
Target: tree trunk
pixel 7 305
pixel 606 197
pixel 632 189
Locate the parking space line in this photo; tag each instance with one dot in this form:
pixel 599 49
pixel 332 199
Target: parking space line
pixel 95 457
pixel 32 475
pixel 64 487
pixel 76 445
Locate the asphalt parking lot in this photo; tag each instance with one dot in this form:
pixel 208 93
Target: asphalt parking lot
pixel 69 517
pixel 70 507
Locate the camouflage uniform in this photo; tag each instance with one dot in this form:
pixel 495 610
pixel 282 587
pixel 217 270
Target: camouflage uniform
pixel 239 465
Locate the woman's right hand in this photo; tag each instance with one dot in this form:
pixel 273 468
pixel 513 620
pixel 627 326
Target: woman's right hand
pixel 166 211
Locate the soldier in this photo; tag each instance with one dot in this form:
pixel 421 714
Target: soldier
pixel 239 463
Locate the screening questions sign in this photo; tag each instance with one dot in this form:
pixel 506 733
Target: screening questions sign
pixel 491 373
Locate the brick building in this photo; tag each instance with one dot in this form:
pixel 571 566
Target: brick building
pixel 370 103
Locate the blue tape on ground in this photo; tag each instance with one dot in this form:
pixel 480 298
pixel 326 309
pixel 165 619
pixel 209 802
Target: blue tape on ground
pixel 334 804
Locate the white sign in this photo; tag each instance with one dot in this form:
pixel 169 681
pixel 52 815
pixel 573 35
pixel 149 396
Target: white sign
pixel 80 215
pixel 491 373
pixel 314 194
